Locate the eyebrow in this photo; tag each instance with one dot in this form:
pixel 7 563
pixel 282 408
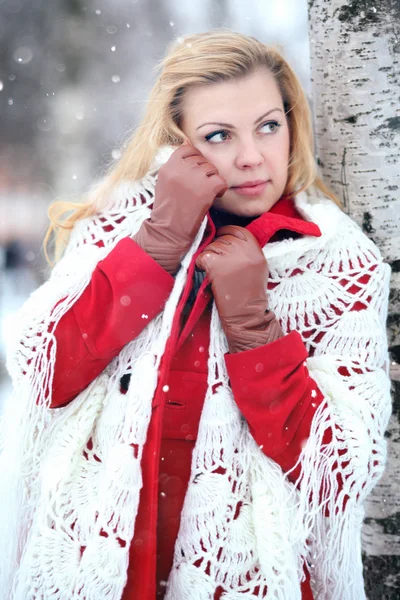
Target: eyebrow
pixel 232 126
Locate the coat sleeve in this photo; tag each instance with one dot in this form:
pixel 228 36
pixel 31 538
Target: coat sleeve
pixel 280 389
pixel 127 290
pixel 275 393
pixel 278 398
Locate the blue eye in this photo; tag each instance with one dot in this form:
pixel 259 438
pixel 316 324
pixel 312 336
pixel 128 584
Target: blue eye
pixel 211 137
pixel 274 124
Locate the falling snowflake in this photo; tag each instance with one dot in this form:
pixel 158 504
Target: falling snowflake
pixel 23 55
pixel 125 300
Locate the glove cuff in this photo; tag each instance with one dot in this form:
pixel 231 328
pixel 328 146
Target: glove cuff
pixel 241 338
pixel 160 246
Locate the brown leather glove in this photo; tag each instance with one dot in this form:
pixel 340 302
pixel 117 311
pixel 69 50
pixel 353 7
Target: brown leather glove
pixel 186 188
pixel 238 272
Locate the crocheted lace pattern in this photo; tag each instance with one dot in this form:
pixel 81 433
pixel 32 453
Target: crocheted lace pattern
pixel 72 478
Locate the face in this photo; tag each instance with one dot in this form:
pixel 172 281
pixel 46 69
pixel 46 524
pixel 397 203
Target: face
pixel 240 127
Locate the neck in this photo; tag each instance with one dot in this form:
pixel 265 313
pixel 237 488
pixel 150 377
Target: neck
pixel 221 218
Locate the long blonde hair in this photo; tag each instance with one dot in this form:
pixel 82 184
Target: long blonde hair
pixel 199 59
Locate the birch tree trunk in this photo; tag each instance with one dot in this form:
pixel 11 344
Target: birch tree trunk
pixel 355 47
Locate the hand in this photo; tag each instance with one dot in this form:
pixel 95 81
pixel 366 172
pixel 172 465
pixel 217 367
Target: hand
pixel 238 272
pixel 186 188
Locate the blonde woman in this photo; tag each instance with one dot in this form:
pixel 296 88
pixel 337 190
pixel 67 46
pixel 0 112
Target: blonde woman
pixel 201 387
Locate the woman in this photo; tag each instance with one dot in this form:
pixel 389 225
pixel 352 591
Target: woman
pixel 201 387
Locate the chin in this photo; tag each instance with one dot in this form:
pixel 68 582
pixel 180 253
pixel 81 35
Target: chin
pixel 244 208
pixel 248 211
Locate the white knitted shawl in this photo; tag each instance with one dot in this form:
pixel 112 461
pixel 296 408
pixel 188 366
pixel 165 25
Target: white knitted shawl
pixel 69 474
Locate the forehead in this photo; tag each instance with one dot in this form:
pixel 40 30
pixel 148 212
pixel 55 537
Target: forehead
pixel 234 99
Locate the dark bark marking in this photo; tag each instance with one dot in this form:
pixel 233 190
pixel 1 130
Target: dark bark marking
pixel 393 123
pixel 382 577
pixel 359 15
pixel 390 525
pixel 387 129
pixel 395 265
pixel 344 184
pixel 367 223
pixel 396 399
pixel 393 326
pixel 395 352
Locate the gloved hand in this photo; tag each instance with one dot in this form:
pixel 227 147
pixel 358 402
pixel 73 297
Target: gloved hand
pixel 238 272
pixel 186 188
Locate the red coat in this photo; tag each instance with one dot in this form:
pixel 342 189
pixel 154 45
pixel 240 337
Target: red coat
pixel 270 384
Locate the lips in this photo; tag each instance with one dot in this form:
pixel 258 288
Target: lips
pixel 251 188
pixel 247 184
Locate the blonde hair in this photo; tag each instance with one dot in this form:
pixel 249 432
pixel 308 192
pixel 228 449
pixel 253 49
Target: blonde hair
pixel 199 59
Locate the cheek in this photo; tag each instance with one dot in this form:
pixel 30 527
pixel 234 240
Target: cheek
pixel 281 156
pixel 287 145
pixel 216 158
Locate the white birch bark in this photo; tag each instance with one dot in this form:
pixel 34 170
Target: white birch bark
pixel 354 47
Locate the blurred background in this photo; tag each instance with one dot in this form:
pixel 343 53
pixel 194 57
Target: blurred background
pixel 74 79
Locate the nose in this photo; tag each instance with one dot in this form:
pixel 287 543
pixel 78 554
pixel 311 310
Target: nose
pixel 248 154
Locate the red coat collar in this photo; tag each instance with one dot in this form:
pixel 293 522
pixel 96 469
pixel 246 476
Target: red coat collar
pixel 282 216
